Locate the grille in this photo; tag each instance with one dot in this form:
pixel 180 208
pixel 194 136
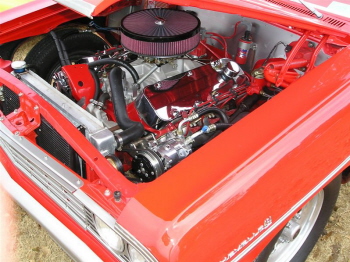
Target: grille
pixel 52 142
pixel 160 32
pixel 9 100
pixel 47 137
pixel 55 189
pixel 61 192
pixel 334 22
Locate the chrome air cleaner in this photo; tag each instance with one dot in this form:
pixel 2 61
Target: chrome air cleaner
pixel 160 32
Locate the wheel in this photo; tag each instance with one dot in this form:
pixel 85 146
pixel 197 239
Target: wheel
pixel 44 59
pixel 296 240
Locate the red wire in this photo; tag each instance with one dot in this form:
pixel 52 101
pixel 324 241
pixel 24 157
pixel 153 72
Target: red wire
pixel 234 32
pixel 223 42
pixel 223 38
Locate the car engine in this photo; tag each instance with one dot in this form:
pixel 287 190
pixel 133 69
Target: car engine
pixel 165 91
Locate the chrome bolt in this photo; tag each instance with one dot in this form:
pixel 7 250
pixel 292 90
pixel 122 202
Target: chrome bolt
pixel 107 192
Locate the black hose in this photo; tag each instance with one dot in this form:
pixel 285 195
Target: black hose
pixel 132 129
pixel 221 114
pixel 247 103
pixel 201 140
pixel 222 126
pixel 205 138
pixel 103 98
pixel 107 61
pixel 238 111
pixel 61 48
pixel 64 51
pixel 97 83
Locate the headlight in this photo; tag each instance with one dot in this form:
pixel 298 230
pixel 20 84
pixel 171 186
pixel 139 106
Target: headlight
pixel 135 256
pixel 109 236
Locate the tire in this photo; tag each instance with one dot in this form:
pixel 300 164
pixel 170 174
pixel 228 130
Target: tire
pixel 7 49
pixel 296 240
pixel 44 59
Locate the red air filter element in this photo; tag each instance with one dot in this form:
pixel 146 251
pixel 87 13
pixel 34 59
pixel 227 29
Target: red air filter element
pixel 160 32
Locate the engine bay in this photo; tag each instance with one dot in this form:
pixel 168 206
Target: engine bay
pixel 176 81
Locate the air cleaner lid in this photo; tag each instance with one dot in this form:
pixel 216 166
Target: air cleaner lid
pixel 160 25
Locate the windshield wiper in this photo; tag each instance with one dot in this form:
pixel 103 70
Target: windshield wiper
pixel 312 9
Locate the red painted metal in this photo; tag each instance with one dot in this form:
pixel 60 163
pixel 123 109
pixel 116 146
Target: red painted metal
pixel 54 209
pixel 25 119
pixel 316 52
pixel 290 58
pixel 275 13
pixel 5 65
pixel 81 82
pixel 248 181
pixel 265 166
pixel 283 152
pixel 93 158
pixel 273 72
pixel 33 18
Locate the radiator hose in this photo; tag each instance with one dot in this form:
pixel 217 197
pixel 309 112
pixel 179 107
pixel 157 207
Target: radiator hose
pixel 132 130
pixel 111 61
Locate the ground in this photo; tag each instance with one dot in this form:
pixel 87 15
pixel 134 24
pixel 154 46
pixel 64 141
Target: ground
pixel 334 244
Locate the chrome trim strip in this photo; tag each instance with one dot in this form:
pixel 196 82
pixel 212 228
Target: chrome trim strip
pixel 94 208
pixel 111 222
pixel 65 238
pixel 63 187
pixel 292 210
pixel 131 240
pixel 53 182
pixel 34 157
pixel 121 257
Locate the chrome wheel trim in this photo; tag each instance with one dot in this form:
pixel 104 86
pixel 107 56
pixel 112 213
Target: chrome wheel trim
pixel 297 230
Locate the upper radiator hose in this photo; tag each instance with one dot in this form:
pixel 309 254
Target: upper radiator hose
pixel 132 129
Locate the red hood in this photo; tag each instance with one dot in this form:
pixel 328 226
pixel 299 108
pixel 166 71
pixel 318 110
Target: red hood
pixel 283 12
